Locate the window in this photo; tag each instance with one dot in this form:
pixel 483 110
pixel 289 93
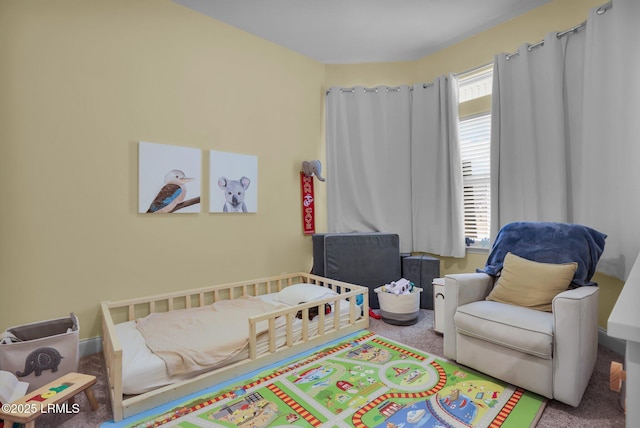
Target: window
pixel 475 84
pixel 475 137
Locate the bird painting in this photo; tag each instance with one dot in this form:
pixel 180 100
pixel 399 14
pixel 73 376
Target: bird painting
pixel 172 193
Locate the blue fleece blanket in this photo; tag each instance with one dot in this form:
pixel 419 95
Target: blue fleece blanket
pixel 547 242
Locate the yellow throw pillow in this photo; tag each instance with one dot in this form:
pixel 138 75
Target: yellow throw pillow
pixel 531 284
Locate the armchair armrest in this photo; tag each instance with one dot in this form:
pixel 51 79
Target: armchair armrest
pixel 575 314
pixel 460 289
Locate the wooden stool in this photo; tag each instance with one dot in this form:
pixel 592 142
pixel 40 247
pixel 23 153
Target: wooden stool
pixel 46 398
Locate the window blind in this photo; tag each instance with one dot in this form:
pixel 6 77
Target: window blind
pixel 475 137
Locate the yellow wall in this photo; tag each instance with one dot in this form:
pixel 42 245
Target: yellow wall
pixel 82 82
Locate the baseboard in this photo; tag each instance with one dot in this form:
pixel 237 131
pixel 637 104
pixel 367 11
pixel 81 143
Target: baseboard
pixel 613 343
pixel 90 346
pixel 94 345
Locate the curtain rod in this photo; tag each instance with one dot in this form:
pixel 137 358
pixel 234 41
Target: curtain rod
pixel 601 10
pixel 365 89
pixel 424 85
pixel 386 88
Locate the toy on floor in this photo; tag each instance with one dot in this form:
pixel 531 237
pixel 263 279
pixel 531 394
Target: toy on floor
pixel 373 314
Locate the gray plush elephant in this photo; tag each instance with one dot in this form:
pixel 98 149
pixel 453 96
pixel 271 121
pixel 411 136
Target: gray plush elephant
pixel 311 168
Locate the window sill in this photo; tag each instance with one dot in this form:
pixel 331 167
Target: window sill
pixel 479 250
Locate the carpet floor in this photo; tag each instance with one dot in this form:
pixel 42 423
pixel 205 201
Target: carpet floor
pixel 600 407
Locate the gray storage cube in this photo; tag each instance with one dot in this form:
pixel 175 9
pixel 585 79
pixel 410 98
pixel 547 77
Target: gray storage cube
pixel 421 270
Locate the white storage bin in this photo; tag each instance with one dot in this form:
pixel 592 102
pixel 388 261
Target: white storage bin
pixel 399 309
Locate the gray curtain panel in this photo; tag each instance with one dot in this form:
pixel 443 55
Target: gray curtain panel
pixel 395 164
pixel 565 133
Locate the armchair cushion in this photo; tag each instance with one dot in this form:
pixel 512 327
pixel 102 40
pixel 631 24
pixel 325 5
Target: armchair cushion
pixel 531 284
pixel 520 329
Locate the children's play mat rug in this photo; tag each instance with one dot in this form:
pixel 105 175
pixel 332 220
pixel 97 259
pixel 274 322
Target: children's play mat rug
pixel 364 380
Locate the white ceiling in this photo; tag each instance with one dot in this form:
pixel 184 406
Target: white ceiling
pixel 359 31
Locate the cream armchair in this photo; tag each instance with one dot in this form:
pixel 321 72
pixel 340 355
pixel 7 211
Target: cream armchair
pixel 550 353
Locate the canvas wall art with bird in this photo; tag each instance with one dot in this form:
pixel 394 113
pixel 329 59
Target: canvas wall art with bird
pixel 171 194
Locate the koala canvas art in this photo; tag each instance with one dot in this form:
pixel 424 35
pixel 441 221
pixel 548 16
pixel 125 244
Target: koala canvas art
pixel 233 183
pixel 234 194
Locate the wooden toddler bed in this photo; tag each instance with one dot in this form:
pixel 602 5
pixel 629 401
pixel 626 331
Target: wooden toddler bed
pixel 286 331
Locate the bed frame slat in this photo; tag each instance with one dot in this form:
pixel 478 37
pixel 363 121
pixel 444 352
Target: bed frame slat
pixel 337 308
pixel 321 316
pixel 305 324
pixel 252 340
pixel 272 335
pixel 289 328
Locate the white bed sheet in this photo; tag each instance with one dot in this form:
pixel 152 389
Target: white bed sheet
pixel 144 371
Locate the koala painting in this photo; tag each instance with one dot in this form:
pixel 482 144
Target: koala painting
pixel 234 194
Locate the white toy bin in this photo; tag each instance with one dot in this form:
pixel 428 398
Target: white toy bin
pixel 399 309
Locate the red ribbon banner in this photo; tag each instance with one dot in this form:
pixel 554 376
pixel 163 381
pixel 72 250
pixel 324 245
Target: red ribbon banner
pixel 308 214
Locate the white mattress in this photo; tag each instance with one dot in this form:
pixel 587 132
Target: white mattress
pixel 144 371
